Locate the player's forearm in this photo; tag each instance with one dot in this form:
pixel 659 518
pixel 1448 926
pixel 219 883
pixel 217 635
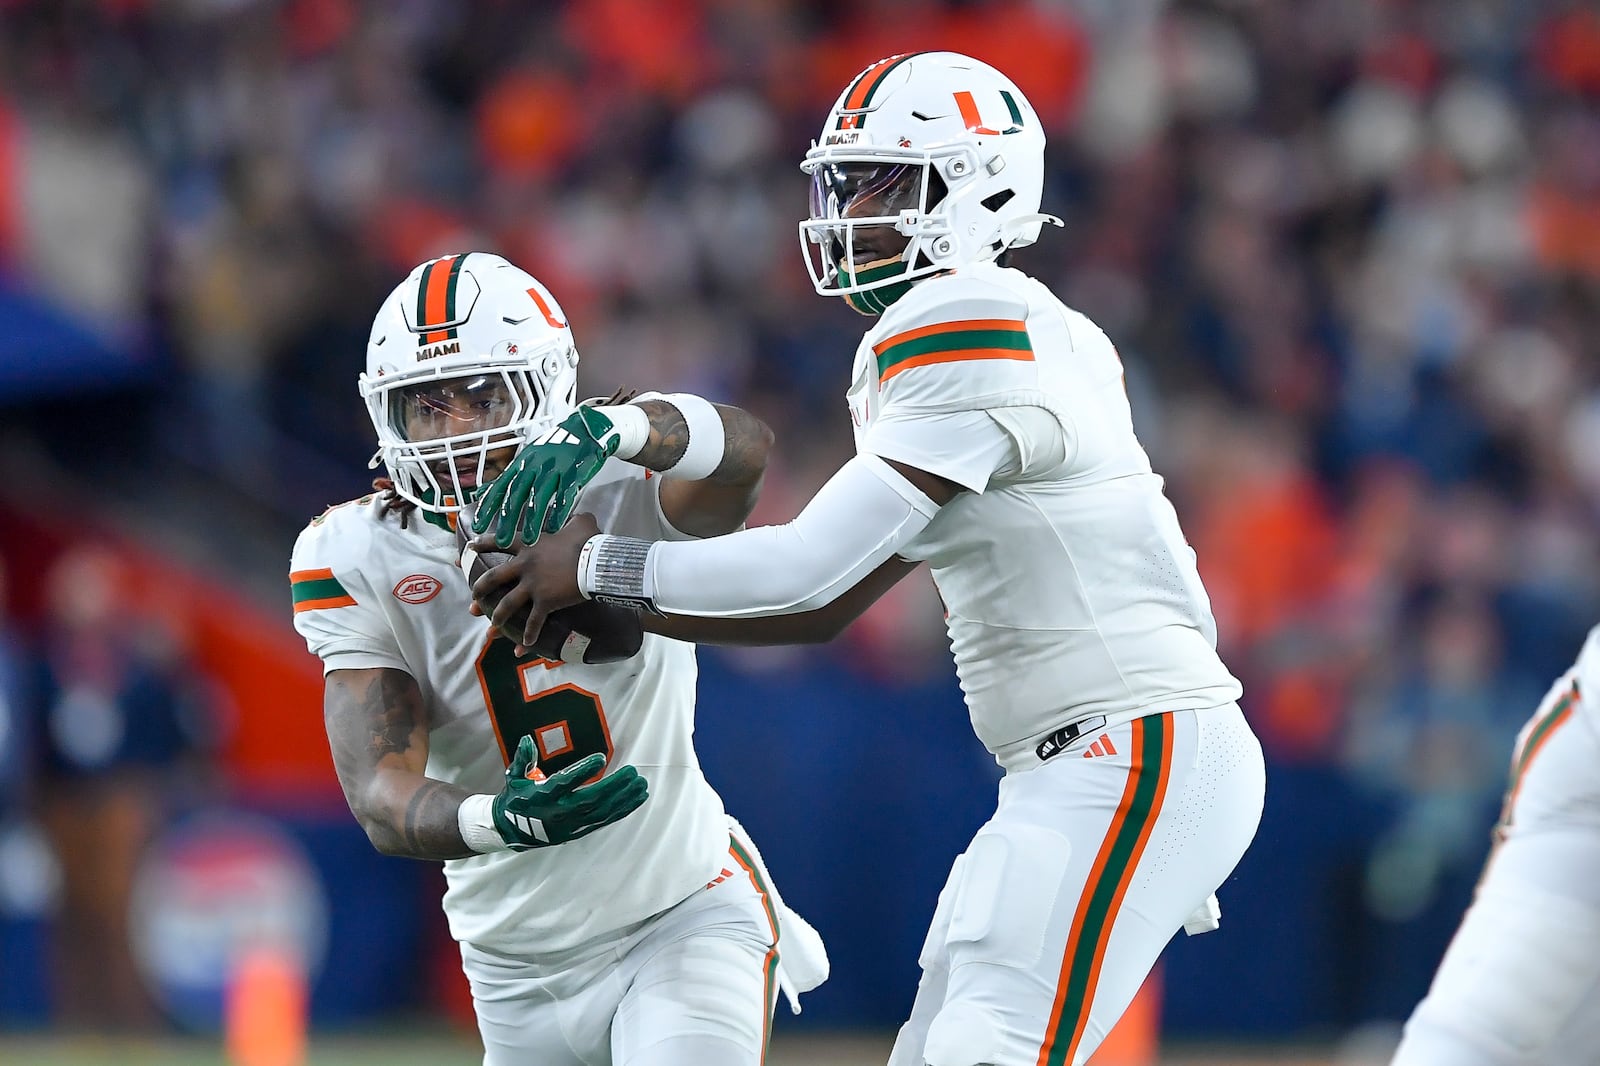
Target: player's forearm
pixel 412 816
pixel 865 514
pixel 810 627
pixel 714 458
pixel 377 728
pixel 746 442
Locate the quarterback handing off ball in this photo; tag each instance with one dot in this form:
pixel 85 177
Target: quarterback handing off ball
pixel 591 632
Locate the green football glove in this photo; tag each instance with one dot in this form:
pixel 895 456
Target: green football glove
pixel 539 814
pixel 540 487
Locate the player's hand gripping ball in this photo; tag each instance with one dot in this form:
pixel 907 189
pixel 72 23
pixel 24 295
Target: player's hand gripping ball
pixel 591 632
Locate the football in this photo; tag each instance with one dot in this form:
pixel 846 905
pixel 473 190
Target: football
pixel 591 633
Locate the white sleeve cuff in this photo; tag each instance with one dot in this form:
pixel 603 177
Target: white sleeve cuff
pixel 864 514
pixel 630 424
pixel 966 447
pixel 360 656
pixel 475 819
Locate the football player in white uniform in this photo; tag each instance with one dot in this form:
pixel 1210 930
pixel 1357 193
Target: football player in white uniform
pixel 1520 983
pixel 596 925
pixel 994 442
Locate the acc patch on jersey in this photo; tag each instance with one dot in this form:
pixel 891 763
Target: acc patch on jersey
pixel 417 588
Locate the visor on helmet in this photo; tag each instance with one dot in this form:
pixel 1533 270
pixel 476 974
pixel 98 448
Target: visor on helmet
pixel 448 407
pixel 862 190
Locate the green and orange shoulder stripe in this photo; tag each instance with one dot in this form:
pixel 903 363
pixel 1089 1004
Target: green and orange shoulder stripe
pixel 980 340
pixel 962 340
pixel 342 532
pixel 318 589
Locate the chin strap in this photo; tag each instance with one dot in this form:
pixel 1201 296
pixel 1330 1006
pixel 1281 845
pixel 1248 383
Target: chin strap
pixel 875 301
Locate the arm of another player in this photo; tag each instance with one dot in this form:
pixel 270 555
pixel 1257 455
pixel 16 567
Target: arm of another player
pixel 713 457
pixel 818 626
pixel 863 516
pixel 378 731
pixel 718 502
pixel 873 507
pixel 809 627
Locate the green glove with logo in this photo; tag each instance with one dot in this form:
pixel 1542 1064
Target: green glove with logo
pixel 531 813
pixel 540 487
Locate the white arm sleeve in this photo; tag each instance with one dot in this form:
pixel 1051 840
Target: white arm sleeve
pixel 864 514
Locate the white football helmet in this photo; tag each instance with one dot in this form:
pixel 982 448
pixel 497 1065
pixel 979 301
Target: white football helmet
pixel 934 148
pixel 467 356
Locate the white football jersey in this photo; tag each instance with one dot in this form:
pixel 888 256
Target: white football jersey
pixel 371 594
pixel 1579 687
pixel 1069 588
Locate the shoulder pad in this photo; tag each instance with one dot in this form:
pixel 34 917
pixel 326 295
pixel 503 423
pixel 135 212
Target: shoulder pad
pixel 342 513
pixel 950 337
pixel 329 553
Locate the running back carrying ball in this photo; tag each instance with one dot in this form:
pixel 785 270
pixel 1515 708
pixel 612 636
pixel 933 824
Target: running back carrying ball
pixel 591 632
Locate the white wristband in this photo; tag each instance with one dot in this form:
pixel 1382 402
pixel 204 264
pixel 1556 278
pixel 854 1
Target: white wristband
pixel 475 819
pixel 708 438
pixel 631 425
pixel 616 570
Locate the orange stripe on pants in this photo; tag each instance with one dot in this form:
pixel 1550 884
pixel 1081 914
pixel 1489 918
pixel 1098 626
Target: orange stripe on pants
pixel 1108 845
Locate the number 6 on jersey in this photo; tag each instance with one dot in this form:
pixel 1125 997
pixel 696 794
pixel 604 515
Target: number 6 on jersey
pixel 566 722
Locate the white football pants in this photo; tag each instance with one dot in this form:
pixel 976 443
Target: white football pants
pixel 692 986
pixel 1058 909
pixel 1520 983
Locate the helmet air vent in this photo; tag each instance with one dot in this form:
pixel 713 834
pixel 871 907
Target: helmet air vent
pixel 998 200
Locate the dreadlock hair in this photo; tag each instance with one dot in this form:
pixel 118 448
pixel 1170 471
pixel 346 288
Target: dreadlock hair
pixel 393 502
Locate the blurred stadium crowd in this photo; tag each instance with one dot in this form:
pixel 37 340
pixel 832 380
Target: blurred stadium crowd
pixel 1348 249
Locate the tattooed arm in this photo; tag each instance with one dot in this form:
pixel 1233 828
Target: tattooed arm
pixel 721 502
pixel 378 730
